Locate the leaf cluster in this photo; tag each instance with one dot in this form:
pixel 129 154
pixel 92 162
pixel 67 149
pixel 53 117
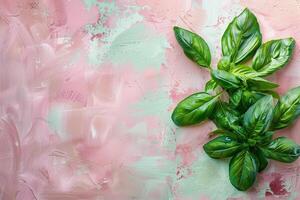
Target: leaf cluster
pixel 247 119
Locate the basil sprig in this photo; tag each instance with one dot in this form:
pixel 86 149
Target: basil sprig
pixel 245 117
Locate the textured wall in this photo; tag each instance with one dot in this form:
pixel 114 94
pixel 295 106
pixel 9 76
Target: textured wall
pixel 86 92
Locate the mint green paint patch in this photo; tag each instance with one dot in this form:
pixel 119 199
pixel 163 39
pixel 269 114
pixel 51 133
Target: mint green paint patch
pixel 155 167
pixel 156 170
pixel 105 10
pixel 209 178
pixel 140 46
pixel 89 3
pixel 155 104
pixel 55 120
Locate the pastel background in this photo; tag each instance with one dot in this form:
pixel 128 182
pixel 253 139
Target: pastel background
pixel 86 92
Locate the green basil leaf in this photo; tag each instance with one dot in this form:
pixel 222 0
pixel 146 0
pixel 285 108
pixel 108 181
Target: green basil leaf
pixel 242 170
pixel 271 92
pixel 273 55
pixel 194 109
pixel 225 117
pixel 194 46
pixel 210 86
pixel 262 161
pixel 258 84
pixel 222 147
pixel 224 63
pixel 225 79
pixel 282 149
pixel 235 98
pixel 265 138
pixel 259 116
pixel 242 37
pixel 249 98
pixel 287 109
pixel 243 72
pixel 222 132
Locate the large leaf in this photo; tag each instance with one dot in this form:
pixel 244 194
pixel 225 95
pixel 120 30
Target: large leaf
pixel 282 149
pixel 287 109
pixel 222 147
pixel 259 116
pixel 242 170
pixel 194 109
pixel 194 46
pixel 226 79
pixel 225 117
pixel 242 37
pixel 260 84
pixel 273 55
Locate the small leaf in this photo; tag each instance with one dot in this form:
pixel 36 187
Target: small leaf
pixel 235 98
pixel 249 98
pixel 210 86
pixel 262 162
pixel 225 79
pixel 273 55
pixel 264 138
pixel 287 109
pixel 260 84
pixel 194 109
pixel 222 147
pixel 271 92
pixel 282 149
pixel 194 46
pixel 224 64
pixel 222 132
pixel 225 117
pixel 242 170
pixel 259 116
pixel 242 37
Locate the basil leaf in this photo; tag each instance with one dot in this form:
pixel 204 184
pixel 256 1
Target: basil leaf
pixel 194 109
pixel 265 138
pixel 244 72
pixel 282 149
pixel 225 79
pixel 259 116
pixel 242 170
pixel 242 37
pixel 225 117
pixel 194 46
pixel 273 55
pixel 222 132
pixel 287 109
pixel 221 147
pixel 258 83
pixel 224 63
pixel 235 98
pixel 261 161
pixel 271 92
pixel 249 98
pixel 210 86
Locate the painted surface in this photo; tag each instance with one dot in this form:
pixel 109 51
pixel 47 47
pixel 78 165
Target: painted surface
pixel 86 92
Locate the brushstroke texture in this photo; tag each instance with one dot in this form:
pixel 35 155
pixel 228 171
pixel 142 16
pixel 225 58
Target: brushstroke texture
pixel 86 92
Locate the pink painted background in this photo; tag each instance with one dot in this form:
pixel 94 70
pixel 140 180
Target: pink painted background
pixel 86 92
